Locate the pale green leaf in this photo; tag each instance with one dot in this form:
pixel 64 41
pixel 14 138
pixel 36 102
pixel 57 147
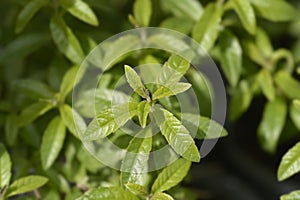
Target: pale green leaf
pixel 52 142
pixel 173 70
pixel 143 109
pixel 161 196
pixel 25 184
pixel 28 12
pixel 263 43
pixel 273 121
pixel 290 163
pixel 295 195
pixel 296 103
pixel 178 137
pixel 288 84
pixel 142 10
pixel 65 40
pixel 246 14
pixel 137 189
pixel 108 193
pixel 231 57
pixel 32 112
pixel 5 167
pixel 170 90
pixel 274 10
pixel 11 129
pixel 135 81
pixel 266 83
pixel 72 119
pixel 171 175
pixel 33 89
pixel 68 81
pixel 206 127
pixel 206 30
pixel 188 9
pixel 80 10
pixel 295 114
pixel 135 163
pixel 109 120
pixel 241 99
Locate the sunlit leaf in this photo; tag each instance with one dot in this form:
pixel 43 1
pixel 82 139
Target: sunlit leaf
pixel 295 195
pixel 108 193
pixel 142 10
pixel 5 167
pixel 135 81
pixel 288 84
pixel 136 189
pixel 170 90
pixel 143 109
pixel 161 196
pixel 266 83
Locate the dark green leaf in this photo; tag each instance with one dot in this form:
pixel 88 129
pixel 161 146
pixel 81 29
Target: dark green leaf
pixel 73 121
pixel 290 163
pixel 5 167
pixel 171 175
pixel 206 127
pixel 274 10
pixel 178 137
pixel 28 12
pixel 207 28
pixel 107 193
pixel 65 40
pixel 135 81
pixel 25 184
pixel 295 195
pixel 80 10
pixel 33 111
pixel 170 90
pixel 288 85
pixel 266 83
pixel 142 10
pixel 231 57
pixel 33 89
pixel 269 130
pixel 135 163
pixel 143 109
pixel 52 142
pixel 246 14
pixel 11 129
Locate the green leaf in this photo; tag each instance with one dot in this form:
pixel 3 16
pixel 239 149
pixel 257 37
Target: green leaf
pixel 295 195
pixel 11 129
pixel 32 112
pixel 25 184
pixel 246 14
pixel 207 28
pixel 137 189
pixel 109 120
pixel 5 167
pixel 65 40
pixel 288 85
pixel 296 103
pixel 28 12
pixel 290 163
pixel 170 90
pixel 72 119
pixel 241 99
pixel 173 70
pixel 143 109
pixel 135 81
pixel 52 142
pixel 107 193
pixel 23 46
pixel 188 9
pixel 295 114
pixel 178 137
pixel 269 130
pixel 263 43
pixel 231 57
pixel 142 10
pixel 135 162
pixel 206 127
pixel 68 81
pixel 266 83
pixel 274 10
pixel 161 196
pixel 171 175
pixel 179 24
pixel 80 10
pixel 33 89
